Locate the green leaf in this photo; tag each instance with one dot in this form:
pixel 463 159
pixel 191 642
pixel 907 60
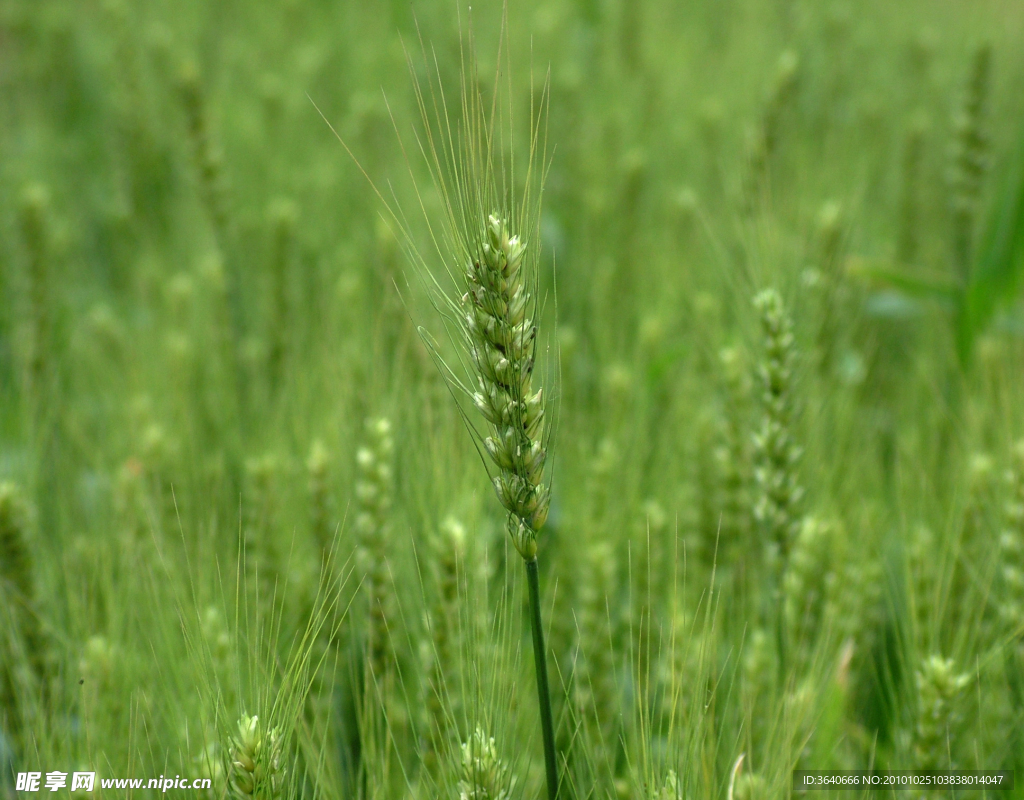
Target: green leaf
pixel 891 274
pixel 999 264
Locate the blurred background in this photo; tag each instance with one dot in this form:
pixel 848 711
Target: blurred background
pixel 206 320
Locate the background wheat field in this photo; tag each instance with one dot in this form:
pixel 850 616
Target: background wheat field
pixel 782 340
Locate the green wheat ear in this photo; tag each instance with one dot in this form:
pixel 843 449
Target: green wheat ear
pixel 36 232
pixel 502 339
pixel 24 641
pixel 940 688
pixel 969 161
pixel 1011 548
pixel 374 499
pixel 483 775
pixel 15 558
pixel 777 507
pixel 256 756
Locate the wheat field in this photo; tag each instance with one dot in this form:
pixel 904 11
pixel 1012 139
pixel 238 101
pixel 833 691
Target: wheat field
pixel 321 316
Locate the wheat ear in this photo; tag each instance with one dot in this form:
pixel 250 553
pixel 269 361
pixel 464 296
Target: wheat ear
pixel 777 508
pixel 374 498
pixel 969 161
pixel 502 340
pixel 939 689
pixel 256 768
pixel 483 775
pixel 777 454
pixel 1011 548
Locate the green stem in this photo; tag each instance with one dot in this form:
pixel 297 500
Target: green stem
pixel 543 692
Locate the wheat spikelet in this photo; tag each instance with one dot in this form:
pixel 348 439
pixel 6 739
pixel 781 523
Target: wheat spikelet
pixel 758 679
pixel 205 153
pixel 374 497
pixel 806 584
pixel 982 484
pixel 939 688
pixel 828 280
pixel 259 523
pixel 909 232
pixel 282 217
pixel 256 761
pixel 35 231
pixel 679 669
pixel 757 177
pixel 483 775
pixel 733 458
pixel 856 603
pixel 670 788
pixel 16 566
pixel 707 528
pixel 777 506
pixel 217 639
pixel 1011 548
pixel 922 578
pixel 969 161
pixel 594 684
pixel 209 765
pixel 320 510
pixel 502 340
pixel 22 653
pixel 218 268
pixel 750 786
pixel 442 701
